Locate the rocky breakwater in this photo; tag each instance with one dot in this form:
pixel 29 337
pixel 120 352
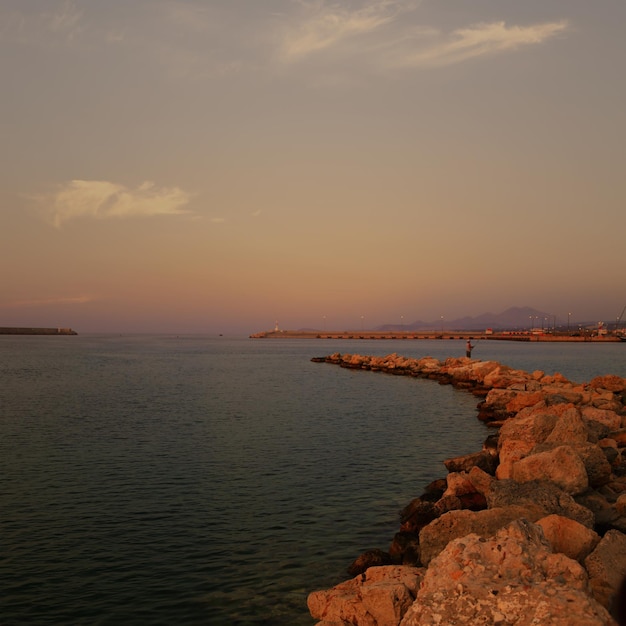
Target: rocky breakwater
pixel 528 530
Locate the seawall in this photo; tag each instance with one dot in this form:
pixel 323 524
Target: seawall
pixel 530 529
pixel 432 334
pixel 10 330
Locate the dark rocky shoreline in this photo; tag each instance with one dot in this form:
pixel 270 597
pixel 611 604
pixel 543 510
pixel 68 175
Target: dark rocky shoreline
pixel 528 530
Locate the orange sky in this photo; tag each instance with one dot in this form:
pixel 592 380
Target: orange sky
pixel 208 166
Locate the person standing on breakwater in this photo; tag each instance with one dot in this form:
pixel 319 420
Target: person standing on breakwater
pixel 468 349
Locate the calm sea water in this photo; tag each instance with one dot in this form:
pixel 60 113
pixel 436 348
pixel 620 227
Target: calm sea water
pixel 206 480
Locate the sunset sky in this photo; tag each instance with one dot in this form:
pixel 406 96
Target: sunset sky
pixel 219 165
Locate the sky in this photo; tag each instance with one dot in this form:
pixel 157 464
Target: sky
pixel 218 166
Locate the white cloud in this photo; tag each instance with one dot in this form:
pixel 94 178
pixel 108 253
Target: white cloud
pixel 322 26
pixel 472 42
pixel 374 33
pixel 102 200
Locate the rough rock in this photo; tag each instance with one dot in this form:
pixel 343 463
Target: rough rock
pixel 484 459
pixel 435 536
pixel 369 558
pixel 380 597
pixel 568 536
pixel 610 383
pixel 569 427
pixel 610 419
pixel 512 578
pixel 561 466
pixel 538 493
pixel 528 531
pixel 606 566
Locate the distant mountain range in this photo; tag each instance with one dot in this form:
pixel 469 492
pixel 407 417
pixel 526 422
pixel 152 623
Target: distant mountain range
pixel 521 318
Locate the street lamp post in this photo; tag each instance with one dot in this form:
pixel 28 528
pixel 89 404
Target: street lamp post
pixel 568 316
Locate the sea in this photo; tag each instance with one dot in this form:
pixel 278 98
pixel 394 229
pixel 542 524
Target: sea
pixel 219 480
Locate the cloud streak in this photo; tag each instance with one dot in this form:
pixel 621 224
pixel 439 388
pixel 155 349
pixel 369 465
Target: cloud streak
pixel 100 199
pixel 374 34
pixel 322 27
pixel 472 42
pixel 62 21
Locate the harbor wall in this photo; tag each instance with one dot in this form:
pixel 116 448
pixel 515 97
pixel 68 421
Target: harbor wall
pixel 12 330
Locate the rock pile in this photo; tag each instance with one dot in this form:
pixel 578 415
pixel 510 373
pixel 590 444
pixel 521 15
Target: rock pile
pixel 528 530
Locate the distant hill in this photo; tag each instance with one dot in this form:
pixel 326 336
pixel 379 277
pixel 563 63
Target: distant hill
pixel 513 318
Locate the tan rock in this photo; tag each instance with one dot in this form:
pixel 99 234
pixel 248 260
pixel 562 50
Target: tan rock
pixel 605 400
pixel 606 566
pixel 498 399
pixel 480 369
pixel 481 480
pixel 555 378
pixel 435 536
pixel 533 426
pixel 610 383
pixel 608 418
pixel 523 399
pixel 511 451
pixel 539 493
pixel 380 597
pixel 458 484
pixel 512 578
pixel 596 464
pixel 562 466
pixel 562 394
pixel 569 428
pixel 568 536
pixel 483 459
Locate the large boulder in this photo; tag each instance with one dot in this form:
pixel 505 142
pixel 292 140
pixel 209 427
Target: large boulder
pixel 454 524
pixel 609 383
pixel 568 536
pixel 606 566
pixel 537 493
pixel 519 435
pixel 610 419
pixel 561 466
pixel 569 428
pixel 380 597
pixel 484 459
pixel 511 578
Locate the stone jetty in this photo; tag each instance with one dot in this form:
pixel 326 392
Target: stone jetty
pixel 530 530
pixel 13 330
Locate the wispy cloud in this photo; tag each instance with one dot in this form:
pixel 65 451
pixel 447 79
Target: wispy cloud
pixel 387 34
pixel 101 199
pixel 321 26
pixel 60 20
pixel 66 20
pixel 439 49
